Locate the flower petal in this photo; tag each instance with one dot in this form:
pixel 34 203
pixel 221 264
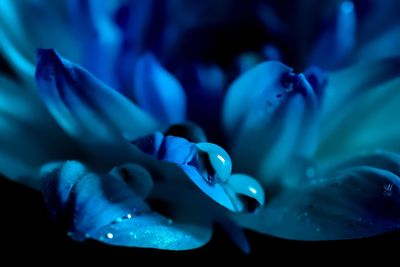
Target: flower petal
pixel 336 43
pixel 384 45
pixel 272 117
pixel 136 177
pixel 29 135
pixel 100 38
pixel 368 100
pixel 103 208
pixel 199 162
pixel 204 84
pixel 158 92
pixel 22 31
pixel 360 200
pixel 85 107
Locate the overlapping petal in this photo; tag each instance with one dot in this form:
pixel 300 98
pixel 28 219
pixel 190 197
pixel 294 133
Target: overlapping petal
pixel 158 92
pixel 104 208
pixel 355 199
pixel 29 135
pixel 21 32
pixel 210 172
pixel 271 115
pixel 360 108
pixel 84 106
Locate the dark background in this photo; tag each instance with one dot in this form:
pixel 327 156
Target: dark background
pixel 28 234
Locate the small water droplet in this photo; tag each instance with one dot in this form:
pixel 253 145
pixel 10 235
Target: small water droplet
pixel 214 163
pixel 133 235
pixel 318 229
pixel 129 216
pixel 170 221
pixel 109 235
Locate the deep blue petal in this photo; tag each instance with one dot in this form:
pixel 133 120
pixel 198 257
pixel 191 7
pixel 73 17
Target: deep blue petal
pixel 142 25
pixel 158 92
pixel 384 45
pixel 83 105
pixel 100 38
pixel 204 84
pixel 338 39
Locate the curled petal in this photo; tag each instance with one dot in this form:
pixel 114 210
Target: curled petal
pixel 104 208
pixel 85 107
pixel 207 165
pixel 272 117
pixel 158 92
pixel 357 201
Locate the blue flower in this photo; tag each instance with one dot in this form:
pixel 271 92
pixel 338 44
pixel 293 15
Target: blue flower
pixel 149 122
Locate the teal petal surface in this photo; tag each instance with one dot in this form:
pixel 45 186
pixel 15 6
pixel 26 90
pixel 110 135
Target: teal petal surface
pixel 358 199
pixel 29 135
pixel 370 121
pixel 22 31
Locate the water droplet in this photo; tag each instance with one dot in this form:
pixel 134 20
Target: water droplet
pixel 215 164
pixel 318 229
pixel 133 235
pixel 129 216
pixel 170 221
pixel 109 235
